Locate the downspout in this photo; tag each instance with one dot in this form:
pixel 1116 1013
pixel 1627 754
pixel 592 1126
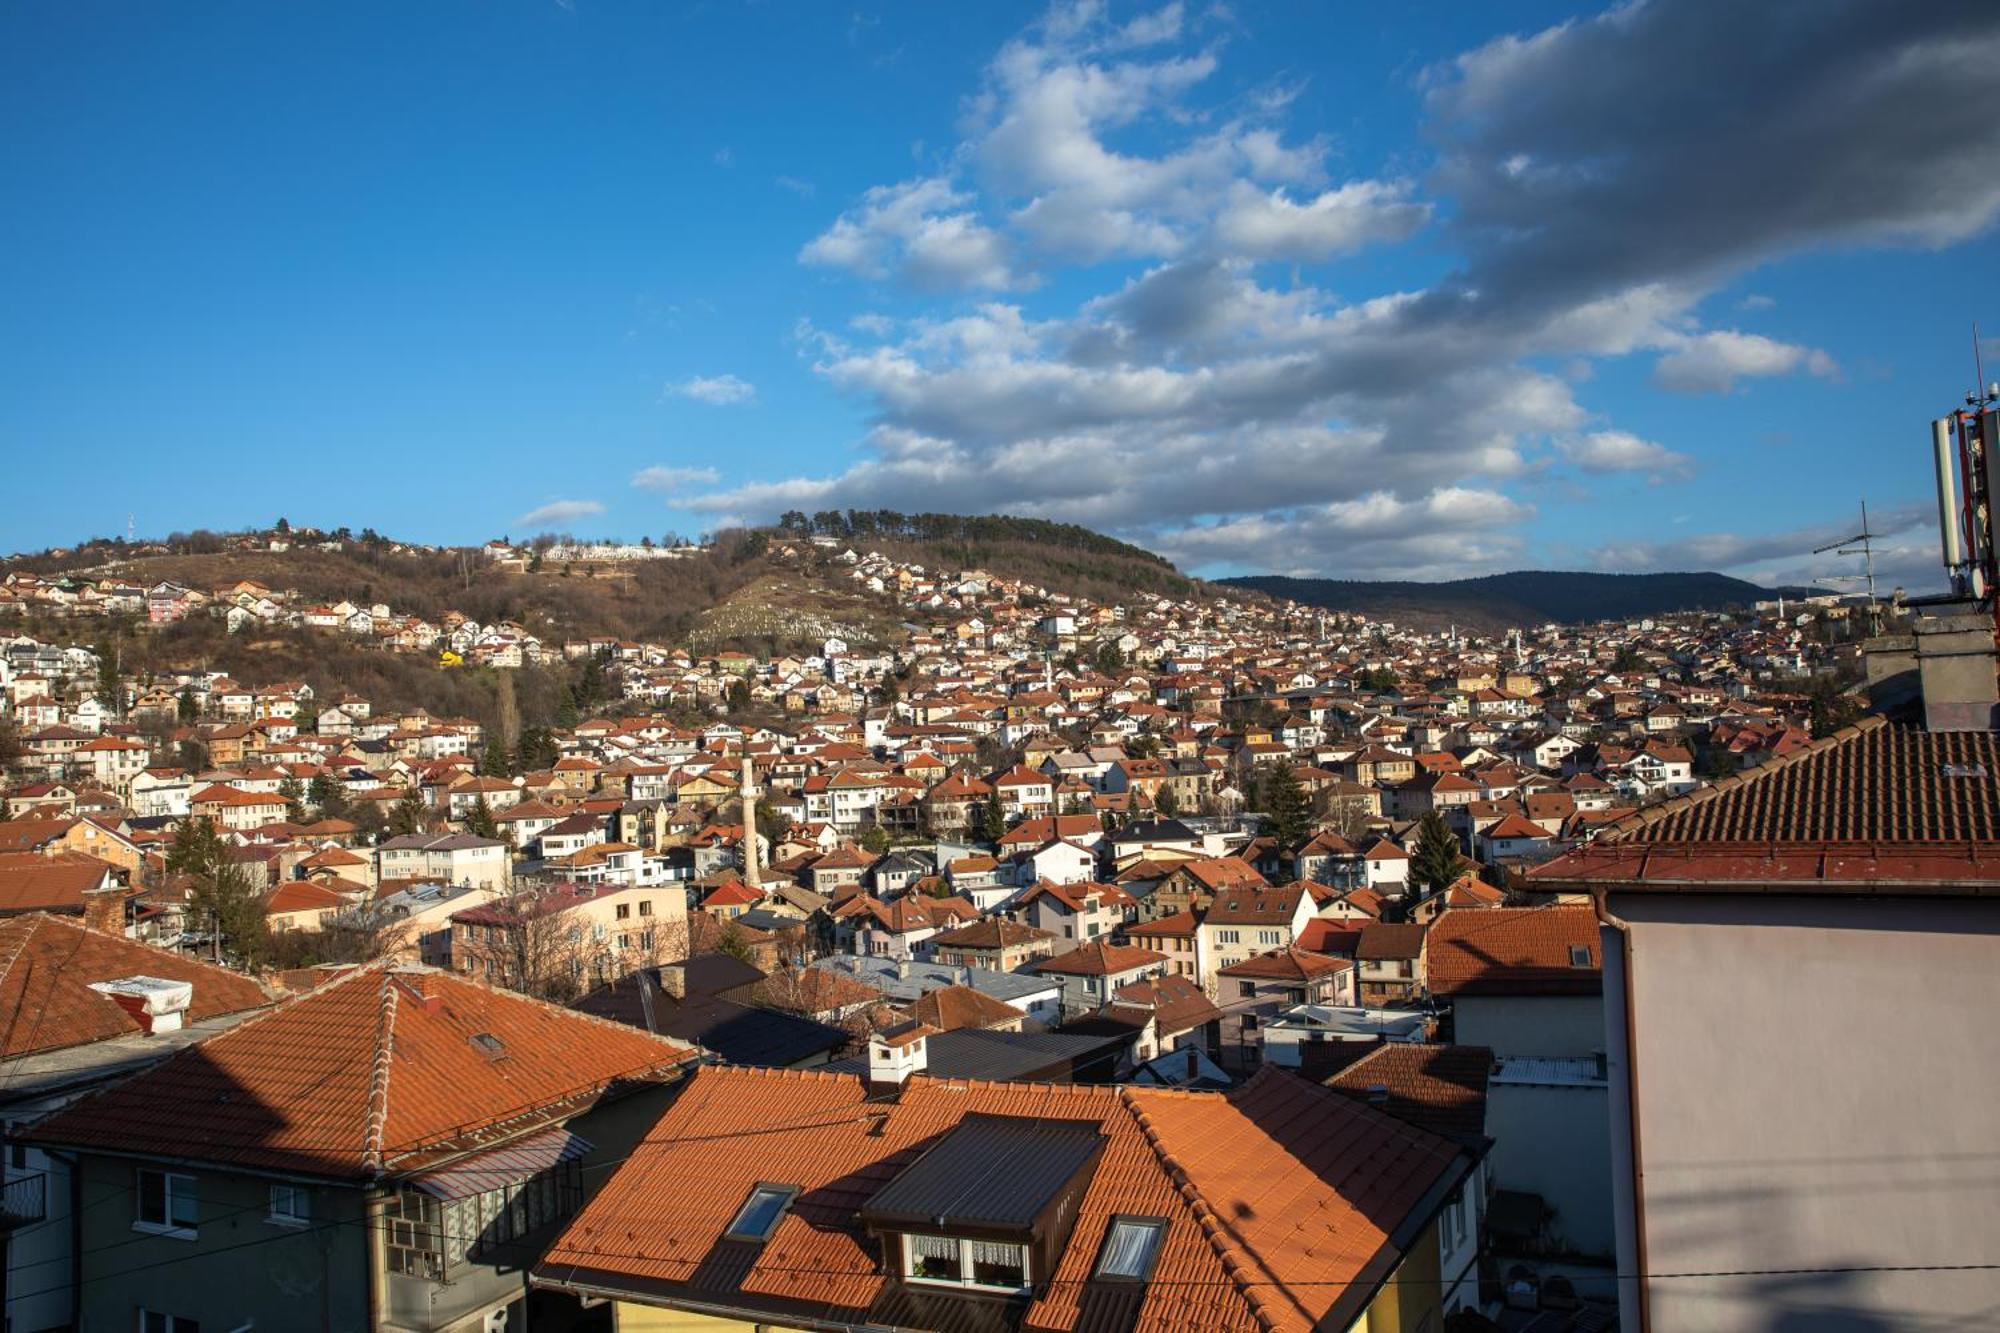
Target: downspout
pixel 1628 1189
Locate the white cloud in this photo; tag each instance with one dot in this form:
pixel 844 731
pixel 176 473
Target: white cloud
pixel 921 231
pixel 559 511
pixel 1713 362
pixel 1260 225
pixel 715 390
pixel 668 480
pixel 802 188
pixel 1606 451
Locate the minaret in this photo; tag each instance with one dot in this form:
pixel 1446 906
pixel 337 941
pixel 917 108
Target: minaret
pixel 750 825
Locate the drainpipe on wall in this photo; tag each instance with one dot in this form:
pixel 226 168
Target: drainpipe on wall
pixel 1627 1189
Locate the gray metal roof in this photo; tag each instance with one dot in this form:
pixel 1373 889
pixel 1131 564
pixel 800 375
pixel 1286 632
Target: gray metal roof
pixel 913 980
pixel 990 1171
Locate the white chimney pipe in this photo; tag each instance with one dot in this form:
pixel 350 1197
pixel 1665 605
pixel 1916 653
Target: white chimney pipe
pixel 750 858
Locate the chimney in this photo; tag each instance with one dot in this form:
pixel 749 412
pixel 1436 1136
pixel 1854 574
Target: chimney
pixel 897 1052
pixel 158 1005
pixel 750 825
pixel 674 981
pixel 104 909
pixel 1194 1064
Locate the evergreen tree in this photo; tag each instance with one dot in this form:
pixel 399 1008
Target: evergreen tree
pixel 328 796
pixel 1437 862
pixel 495 763
pixel 992 818
pixel 409 814
pixel 221 898
pixel 108 693
pixel 185 708
pixel 1166 802
pixel 1286 805
pixel 479 820
pixel 1109 660
pixel 295 800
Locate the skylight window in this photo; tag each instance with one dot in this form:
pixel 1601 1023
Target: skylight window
pixel 760 1213
pixel 1131 1248
pixel 1579 955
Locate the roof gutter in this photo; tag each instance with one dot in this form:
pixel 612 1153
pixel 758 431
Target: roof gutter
pixel 731 1313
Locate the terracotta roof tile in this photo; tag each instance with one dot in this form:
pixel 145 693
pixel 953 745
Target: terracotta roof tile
pixel 1279 1198
pixel 1438 1088
pixel 1514 951
pixel 376 1071
pixel 48 962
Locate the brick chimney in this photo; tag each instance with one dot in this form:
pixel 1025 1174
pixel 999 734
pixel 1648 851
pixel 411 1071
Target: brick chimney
pixel 104 909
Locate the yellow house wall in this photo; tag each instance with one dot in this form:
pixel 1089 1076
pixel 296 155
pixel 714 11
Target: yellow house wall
pixel 1412 1300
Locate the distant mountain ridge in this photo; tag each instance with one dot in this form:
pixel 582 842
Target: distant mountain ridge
pixel 1522 597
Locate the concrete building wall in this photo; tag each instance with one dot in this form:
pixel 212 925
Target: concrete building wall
pixel 238 1269
pixel 1555 1141
pixel 1520 1025
pixel 1814 1081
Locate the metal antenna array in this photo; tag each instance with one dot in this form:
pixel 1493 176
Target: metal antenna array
pixel 1862 544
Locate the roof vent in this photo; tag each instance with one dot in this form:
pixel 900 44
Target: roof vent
pixel 157 1004
pixel 1378 1094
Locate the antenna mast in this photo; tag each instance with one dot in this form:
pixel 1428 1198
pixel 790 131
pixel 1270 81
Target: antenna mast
pixel 1862 544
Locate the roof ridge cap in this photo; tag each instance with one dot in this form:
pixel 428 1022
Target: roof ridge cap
pixel 1211 1226
pixel 377 1126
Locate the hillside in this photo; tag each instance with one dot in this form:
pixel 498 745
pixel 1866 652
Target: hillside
pixel 1524 597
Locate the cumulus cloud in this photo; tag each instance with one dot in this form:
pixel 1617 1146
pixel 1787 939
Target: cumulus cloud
pixel 715 390
pixel 1595 183
pixel 1271 225
pixel 922 231
pixel 1713 362
pixel 1604 451
pixel 670 480
pixel 559 511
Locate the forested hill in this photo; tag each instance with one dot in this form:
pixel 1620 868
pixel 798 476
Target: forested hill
pixel 1062 557
pixel 1524 597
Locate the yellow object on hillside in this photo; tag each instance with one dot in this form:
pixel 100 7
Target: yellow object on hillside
pixel 448 658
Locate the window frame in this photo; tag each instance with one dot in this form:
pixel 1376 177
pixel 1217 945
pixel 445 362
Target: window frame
pixel 159 1321
pixel 167 1224
pixel 786 1195
pixel 1157 1225
pixel 967 1263
pixel 299 1214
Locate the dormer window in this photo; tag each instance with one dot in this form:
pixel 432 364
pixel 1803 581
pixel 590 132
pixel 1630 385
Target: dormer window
pixel 1131 1248
pixel 760 1214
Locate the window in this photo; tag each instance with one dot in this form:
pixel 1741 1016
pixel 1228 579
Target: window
pixel 760 1213
pixel 1579 955
pixel 646 908
pixel 624 910
pixel 1247 989
pixel 291 1206
pixel 167 1204
pixel 415 1237
pixel 1227 937
pixel 1131 1247
pixel 996 1265
pixel 152 1321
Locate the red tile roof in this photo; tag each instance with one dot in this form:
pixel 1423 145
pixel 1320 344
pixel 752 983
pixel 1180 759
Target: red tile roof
pixel 1286 965
pixel 1438 1088
pixel 48 962
pixel 1279 1197
pixel 1514 951
pixel 1098 959
pixel 376 1072
pixel 33 883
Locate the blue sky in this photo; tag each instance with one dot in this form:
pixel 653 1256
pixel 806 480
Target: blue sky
pixel 1368 291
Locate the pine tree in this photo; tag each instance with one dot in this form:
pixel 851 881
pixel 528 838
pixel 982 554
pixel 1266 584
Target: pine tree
pixel 409 814
pixel 992 818
pixel 1437 862
pixel 1286 805
pixel 295 800
pixel 495 763
pixel 185 708
pixel 479 820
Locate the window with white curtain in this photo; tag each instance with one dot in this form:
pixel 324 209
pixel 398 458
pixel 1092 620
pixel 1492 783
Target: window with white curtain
pixel 986 1264
pixel 1131 1246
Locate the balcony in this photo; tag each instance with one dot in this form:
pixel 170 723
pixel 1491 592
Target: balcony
pixel 24 1200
